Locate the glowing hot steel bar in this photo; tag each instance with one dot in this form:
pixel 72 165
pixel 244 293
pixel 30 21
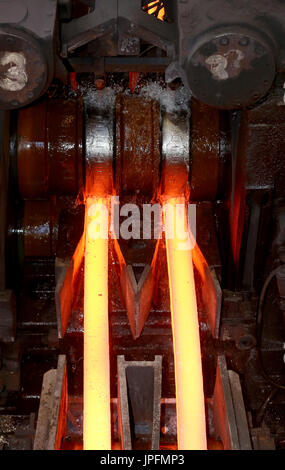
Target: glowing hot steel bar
pixel 97 420
pixel 191 427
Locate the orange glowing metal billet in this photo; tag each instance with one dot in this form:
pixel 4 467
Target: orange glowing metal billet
pixel 97 419
pixel 191 425
pixel 151 11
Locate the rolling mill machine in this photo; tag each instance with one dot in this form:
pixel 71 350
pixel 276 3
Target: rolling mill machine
pixel 142 230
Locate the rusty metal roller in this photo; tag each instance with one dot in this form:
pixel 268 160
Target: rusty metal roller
pixel 50 148
pixel 137 146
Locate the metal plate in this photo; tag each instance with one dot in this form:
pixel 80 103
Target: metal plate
pixel 230 69
pixel 23 69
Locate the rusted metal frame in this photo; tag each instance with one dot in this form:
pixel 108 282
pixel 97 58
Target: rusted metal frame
pixel 51 424
pixel 252 238
pixel 67 273
pixel 137 295
pixel 80 31
pixel 211 290
pixel 125 15
pixel 230 420
pixel 205 152
pixel 139 397
pixel 253 181
pixel 120 64
pixel 146 27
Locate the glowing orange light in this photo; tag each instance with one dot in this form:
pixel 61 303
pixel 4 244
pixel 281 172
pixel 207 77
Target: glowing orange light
pixel 151 11
pixel 191 427
pixel 97 419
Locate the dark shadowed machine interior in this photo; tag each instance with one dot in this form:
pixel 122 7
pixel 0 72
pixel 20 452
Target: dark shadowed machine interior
pixel 124 108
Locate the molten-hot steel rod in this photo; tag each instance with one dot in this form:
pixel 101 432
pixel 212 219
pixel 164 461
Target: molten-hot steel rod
pixel 97 420
pixel 191 427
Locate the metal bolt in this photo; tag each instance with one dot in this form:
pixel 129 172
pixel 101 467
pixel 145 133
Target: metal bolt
pixel 224 41
pixel 244 41
pixel 31 94
pixel 15 103
pixel 245 342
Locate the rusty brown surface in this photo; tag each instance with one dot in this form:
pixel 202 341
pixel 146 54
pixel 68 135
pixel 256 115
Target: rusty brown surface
pixel 137 146
pixel 174 181
pixel 205 140
pixel 32 152
pixel 50 148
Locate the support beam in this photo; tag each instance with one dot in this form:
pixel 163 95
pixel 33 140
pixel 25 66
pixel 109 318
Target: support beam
pixel 230 422
pixel 51 424
pixel 139 403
